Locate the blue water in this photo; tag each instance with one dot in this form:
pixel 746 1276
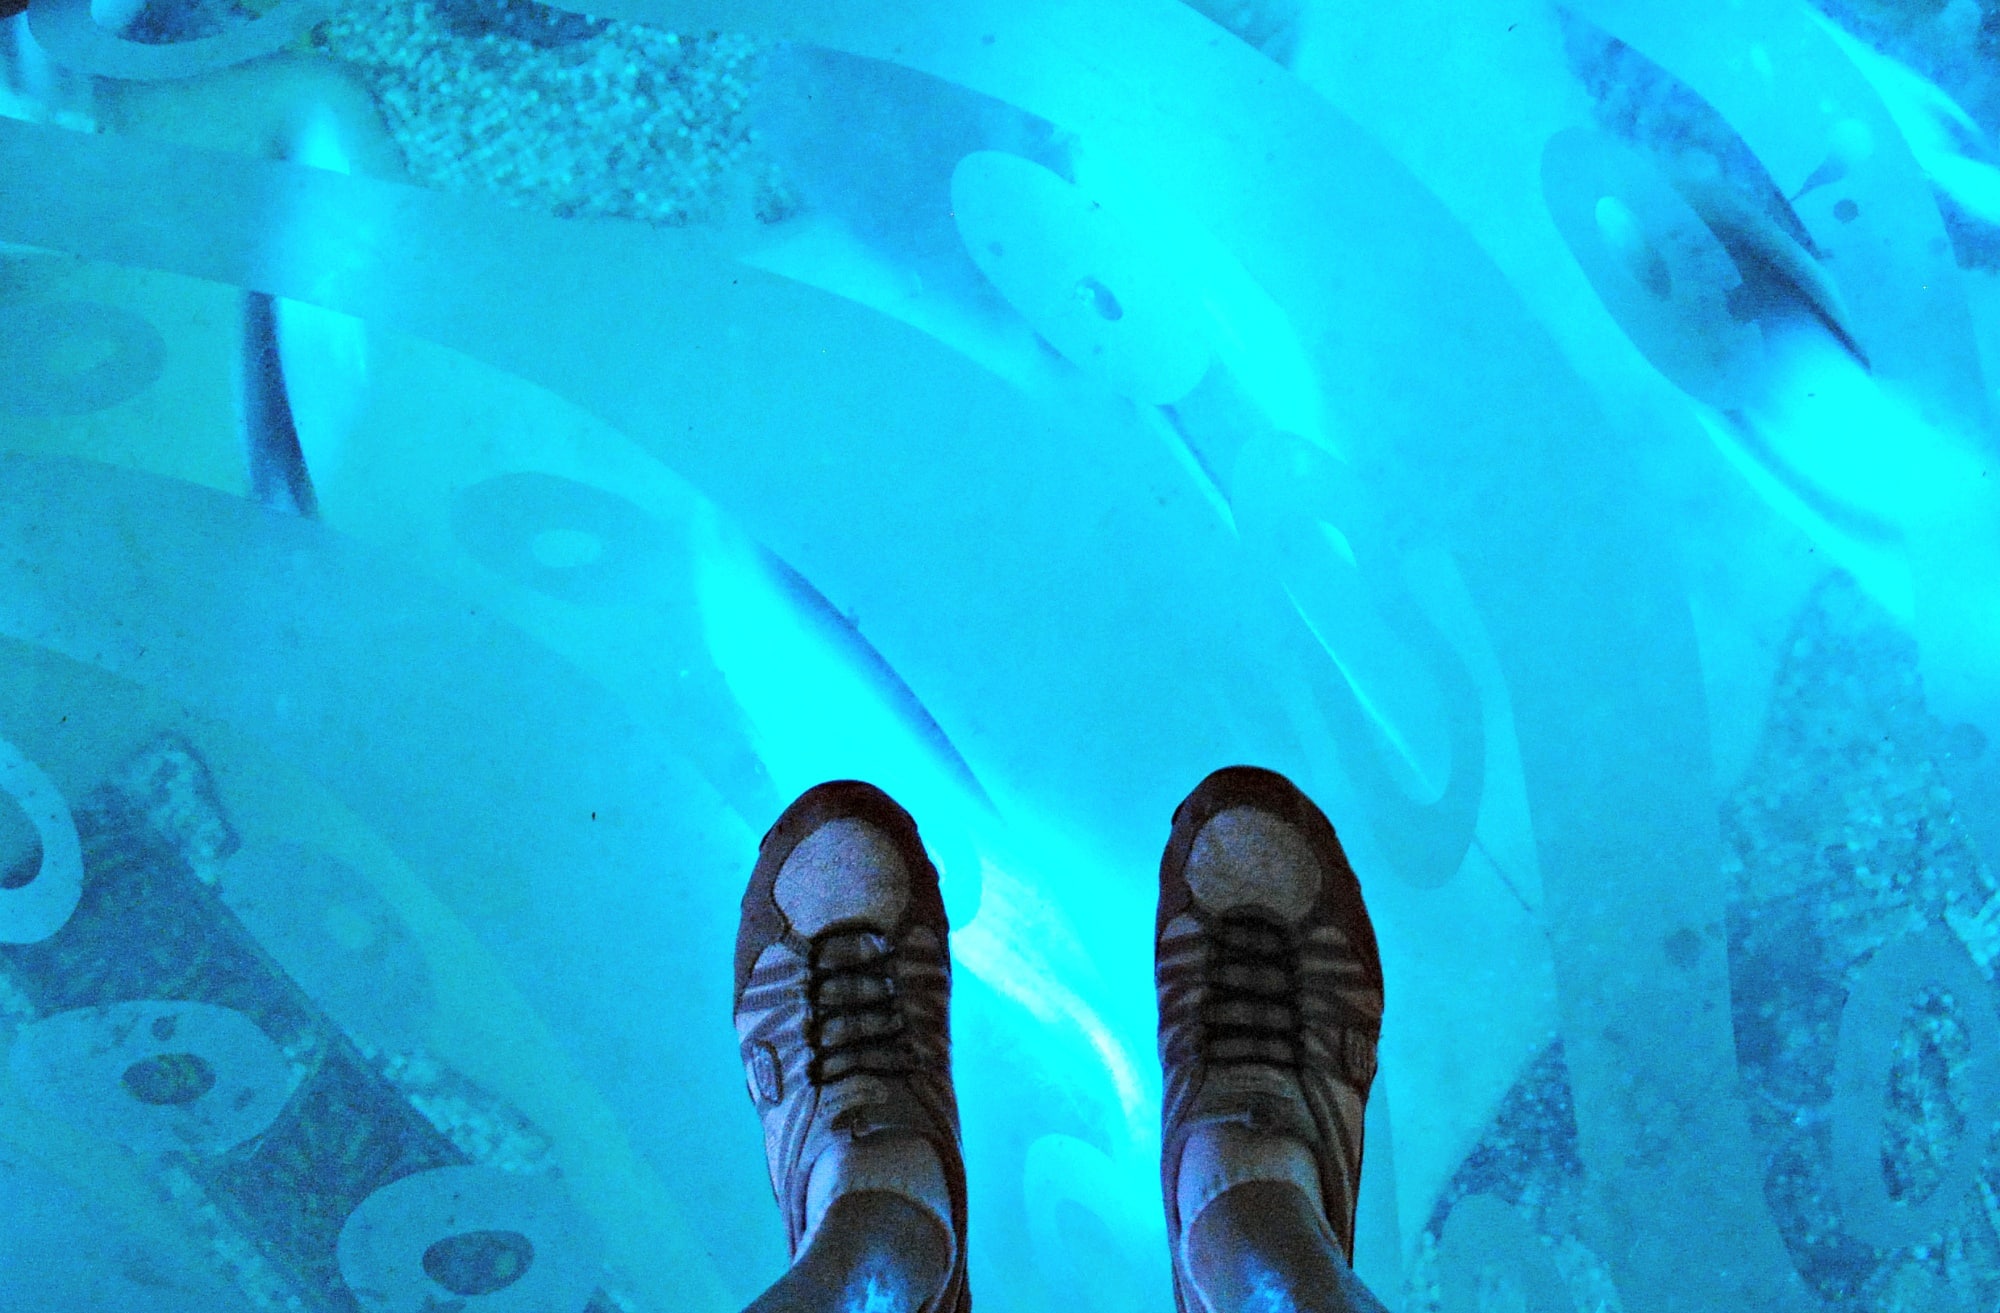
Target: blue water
pixel 467 465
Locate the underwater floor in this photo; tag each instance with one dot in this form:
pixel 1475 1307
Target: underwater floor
pixel 466 464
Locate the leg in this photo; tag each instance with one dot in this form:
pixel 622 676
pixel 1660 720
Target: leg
pixel 1262 1247
pixel 874 1251
pixel 842 1012
pixel 1270 994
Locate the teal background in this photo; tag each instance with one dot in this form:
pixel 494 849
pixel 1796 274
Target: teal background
pixel 466 465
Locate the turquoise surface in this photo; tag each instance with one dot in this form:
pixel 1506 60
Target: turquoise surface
pixel 464 466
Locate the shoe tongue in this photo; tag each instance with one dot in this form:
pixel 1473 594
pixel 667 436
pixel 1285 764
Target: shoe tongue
pixel 1218 1158
pixel 856 1105
pixel 1257 1098
pixel 864 1143
pixel 898 1162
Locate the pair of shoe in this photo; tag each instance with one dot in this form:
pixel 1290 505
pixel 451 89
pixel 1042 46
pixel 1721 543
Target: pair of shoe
pixel 1269 986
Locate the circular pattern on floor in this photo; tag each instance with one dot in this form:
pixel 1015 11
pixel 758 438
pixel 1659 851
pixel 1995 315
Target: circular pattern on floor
pixel 155 1075
pixel 73 38
pixel 560 537
pixel 536 1250
pixel 74 357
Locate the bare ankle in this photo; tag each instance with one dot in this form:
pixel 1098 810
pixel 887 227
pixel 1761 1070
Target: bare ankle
pixel 1264 1244
pixel 872 1249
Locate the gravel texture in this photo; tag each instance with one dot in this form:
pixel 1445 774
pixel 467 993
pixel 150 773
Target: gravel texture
pixel 551 111
pixel 1840 838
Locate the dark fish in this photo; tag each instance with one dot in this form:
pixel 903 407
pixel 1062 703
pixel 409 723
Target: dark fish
pixel 278 475
pixel 1778 274
pixel 834 626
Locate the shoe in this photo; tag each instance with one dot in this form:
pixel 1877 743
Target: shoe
pixel 843 991
pixel 1270 994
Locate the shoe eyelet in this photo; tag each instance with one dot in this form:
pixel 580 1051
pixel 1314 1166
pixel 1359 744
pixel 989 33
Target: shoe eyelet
pixel 767 1077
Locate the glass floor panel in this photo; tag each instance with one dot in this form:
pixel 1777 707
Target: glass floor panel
pixel 466 464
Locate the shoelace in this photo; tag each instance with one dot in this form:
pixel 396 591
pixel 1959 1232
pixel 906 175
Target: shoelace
pixel 1249 1012
pixel 855 1019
